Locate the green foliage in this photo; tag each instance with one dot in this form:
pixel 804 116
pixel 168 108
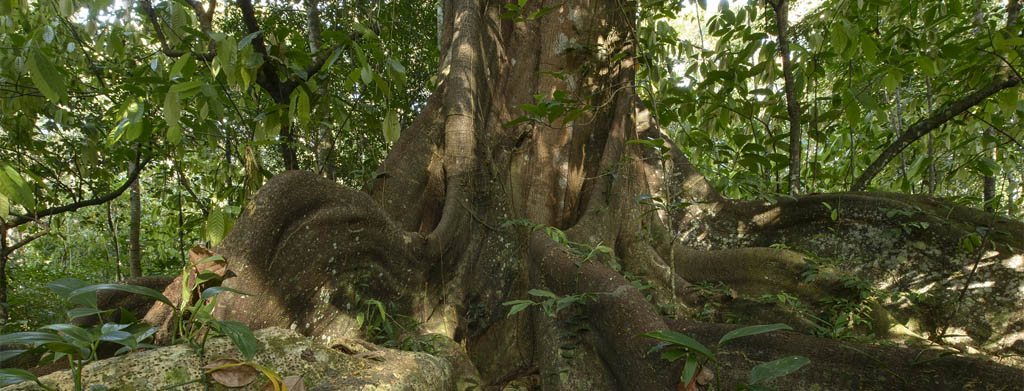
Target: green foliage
pixel 76 344
pixel 865 71
pixel 676 346
pixel 389 328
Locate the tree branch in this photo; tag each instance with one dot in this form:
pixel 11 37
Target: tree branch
pixel 34 216
pixel 313 20
pixel 267 78
pixel 26 240
pixel 1003 80
pixel 147 6
pixel 923 126
pixel 792 100
pixel 996 128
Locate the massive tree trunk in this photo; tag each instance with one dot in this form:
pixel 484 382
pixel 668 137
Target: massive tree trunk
pixel 458 223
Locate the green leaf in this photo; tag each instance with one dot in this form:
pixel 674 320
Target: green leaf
pixel 10 376
pixel 517 306
pixel 14 187
pixel 34 338
pixel 79 312
pixel 542 293
pixel 869 48
pixel 216 290
pixel 64 286
pixel 391 127
pixel 241 335
pixel 179 64
pixel 680 339
pixel 74 332
pixel 366 75
pixel 215 226
pixel 172 109
pixel 752 330
pixel 248 39
pixel 174 134
pixel 5 203
pixel 187 89
pixel 397 66
pixel 302 109
pixel 46 77
pixel 139 290
pixel 689 370
pixel 839 38
pixel 1008 101
pixel 927 65
pixel 773 369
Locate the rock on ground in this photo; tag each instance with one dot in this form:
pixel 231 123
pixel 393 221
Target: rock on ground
pixel 351 365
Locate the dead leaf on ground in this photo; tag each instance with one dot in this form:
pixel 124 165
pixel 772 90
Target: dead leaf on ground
pixel 705 376
pixel 239 375
pixel 294 383
pixel 290 383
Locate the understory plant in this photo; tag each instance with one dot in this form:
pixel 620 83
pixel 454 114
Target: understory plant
pixel 79 345
pixel 676 346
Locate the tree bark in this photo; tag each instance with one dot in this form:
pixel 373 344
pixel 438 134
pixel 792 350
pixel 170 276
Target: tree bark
pixel 470 212
pixel 781 8
pixel 4 255
pixel 114 240
pixel 134 226
pixel 988 193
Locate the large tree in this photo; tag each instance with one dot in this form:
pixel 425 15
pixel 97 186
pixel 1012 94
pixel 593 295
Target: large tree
pixel 535 171
pixel 534 166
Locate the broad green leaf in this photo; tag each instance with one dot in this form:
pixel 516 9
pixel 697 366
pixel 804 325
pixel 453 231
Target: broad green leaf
pixel 179 64
pixel 869 48
pixel 542 293
pixel 689 370
pixel 216 290
pixel 74 332
pixel 773 369
pixel 216 226
pixel 5 204
pixel 271 126
pixel 839 38
pixel 302 109
pixel 1008 101
pixel 927 66
pixel 139 290
pixel 680 339
pixel 34 338
pixel 366 75
pixel 248 39
pixel 752 330
pixel 14 188
pixel 174 134
pixel 10 376
pixel 241 335
pixel 397 66
pixel 64 286
pixel 79 312
pixel 187 89
pixel 46 77
pixel 517 306
pixel 391 127
pixel 67 8
pixel 172 109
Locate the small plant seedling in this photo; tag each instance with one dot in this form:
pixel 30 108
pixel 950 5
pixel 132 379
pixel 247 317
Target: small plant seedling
pixel 676 345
